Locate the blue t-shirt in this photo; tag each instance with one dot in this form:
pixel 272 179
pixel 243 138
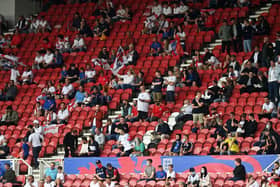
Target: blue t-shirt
pixel 156 45
pixel 79 97
pixel 51 172
pixel 176 147
pixel 160 174
pixel 48 103
pixel 82 75
pixel 63 74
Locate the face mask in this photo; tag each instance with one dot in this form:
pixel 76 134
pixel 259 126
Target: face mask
pixel 267 126
pixel 193 173
pixel 202 171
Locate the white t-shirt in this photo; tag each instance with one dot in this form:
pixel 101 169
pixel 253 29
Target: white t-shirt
pixel 143 106
pixel 166 10
pixel 176 10
pixel 92 184
pixel 51 89
pixel 111 185
pixel 63 114
pixel 33 184
pixel 78 43
pixel 192 178
pixel 60 176
pixel 171 79
pixel 27 74
pixel 157 10
pixel 255 184
pixel 268 107
pixel 34 139
pixel 90 74
pixel 39 59
pixel 14 75
pixel 171 174
pixel 183 8
pixel 38 130
pixel 48 58
pixel 100 139
pixel 51 184
pixel 123 139
pixel 67 89
pixel 127 79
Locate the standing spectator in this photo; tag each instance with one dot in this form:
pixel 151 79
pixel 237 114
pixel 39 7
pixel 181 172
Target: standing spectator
pixel 100 171
pixel 157 86
pixel 31 182
pixel 10 117
pixel 239 172
pixel 204 180
pixel 236 35
pixel 70 143
pixel 160 174
pixel 112 173
pixel 170 90
pixel 176 145
pixel 150 171
pixel 76 21
pixel 263 26
pixel 197 109
pixel 37 127
pixel 51 172
pixel 14 74
pixel 226 36
pixel 79 44
pixel 143 104
pixel 267 52
pixel 35 140
pixel 63 114
pixel 193 178
pixel 247 36
pixel 273 79
pixel 9 175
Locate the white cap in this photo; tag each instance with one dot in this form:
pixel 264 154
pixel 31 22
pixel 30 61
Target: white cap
pixel 36 121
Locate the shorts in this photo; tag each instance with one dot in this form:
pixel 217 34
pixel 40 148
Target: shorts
pixel 198 118
pixel 157 96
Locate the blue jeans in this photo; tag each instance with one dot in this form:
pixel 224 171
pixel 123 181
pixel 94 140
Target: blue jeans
pixel 273 91
pixel 247 45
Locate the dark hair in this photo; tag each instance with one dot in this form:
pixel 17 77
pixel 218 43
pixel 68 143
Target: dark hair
pixel 252 115
pixel 59 167
pixel 238 160
pixel 171 165
pixel 7 164
pixel 150 160
pixel 205 173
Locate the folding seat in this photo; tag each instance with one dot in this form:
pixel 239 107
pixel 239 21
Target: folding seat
pixel 248 109
pixel 228 183
pixel 238 109
pixel 245 146
pixel 197 148
pixel 257 108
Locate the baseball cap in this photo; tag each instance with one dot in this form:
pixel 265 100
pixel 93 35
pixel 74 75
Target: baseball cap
pixel 36 121
pixel 98 162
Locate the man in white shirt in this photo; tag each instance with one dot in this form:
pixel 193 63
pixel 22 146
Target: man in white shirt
pixel 38 60
pixel 99 138
pixel 37 128
pixel 68 90
pixel 170 174
pixel 31 182
pixel 157 9
pixel 95 182
pixel 89 73
pixel 35 139
pixel 127 80
pixel 63 114
pixel 123 143
pixel 14 74
pixel 49 182
pixel 79 44
pixel 193 178
pixel 268 109
pixel 185 112
pixel 27 76
pixel 143 103
pixel 166 10
pixel 273 81
pixel 109 183
pixel 170 90
pixel 48 58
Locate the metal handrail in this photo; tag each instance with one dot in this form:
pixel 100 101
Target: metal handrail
pixel 45 163
pixel 16 165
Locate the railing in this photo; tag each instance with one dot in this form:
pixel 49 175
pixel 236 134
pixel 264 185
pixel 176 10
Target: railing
pixel 270 166
pixel 44 163
pixel 15 164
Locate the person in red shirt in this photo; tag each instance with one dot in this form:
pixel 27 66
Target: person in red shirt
pixel 209 20
pixel 97 119
pixel 16 40
pixel 157 111
pixel 46 44
pixel 102 79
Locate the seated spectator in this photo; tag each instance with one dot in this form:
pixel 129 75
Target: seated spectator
pixel 31 182
pixel 84 148
pixel 132 55
pixel 263 26
pixel 10 117
pixel 104 54
pixel 59 177
pixel 198 109
pixel 112 173
pixel 100 171
pixel 10 91
pixel 68 90
pixel 239 172
pixel 62 44
pixel 122 14
pixel 126 81
pixel 9 175
pixel 211 119
pixel 38 61
pixel 158 111
pixel 187 146
pixel 126 110
pixel 162 23
pixel 185 112
pixel 16 40
pixel 43 25
pixel 204 179
pixel 155 48
pixel 193 178
pixel 170 174
pixel 51 117
pixel 176 146
pixel 231 143
pixel 150 24
pixel 276 168
pixel 256 57
pixel 63 114
pixel 4 150
pixel 57 60
pixel 166 10
pixel 27 76
pixel 89 74
pixel 252 182
pixel 93 147
pixel 84 29
pixel 51 172
pixel 73 73
pixel 79 44
pixel 160 174
pixel 251 126
pixel 79 96
pixel 150 172
pixel 49 182
pixel 268 109
pixel 138 147
pixel 102 30
pixel 48 59
pixel 232 123
pixel 76 21
pixel 162 129
pixel 99 138
pixel 46 44
pixel 70 143
pixel 267 143
pixel 123 143
pixel 95 182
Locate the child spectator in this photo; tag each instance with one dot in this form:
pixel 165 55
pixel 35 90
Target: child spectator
pixel 59 177
pixel 160 174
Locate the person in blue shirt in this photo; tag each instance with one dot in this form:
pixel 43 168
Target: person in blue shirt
pixel 58 60
pixel 176 146
pixel 63 74
pixel 51 171
pixel 25 148
pixel 79 96
pixel 49 103
pixel 160 174
pixel 82 75
pixel 156 47
pixel 100 171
